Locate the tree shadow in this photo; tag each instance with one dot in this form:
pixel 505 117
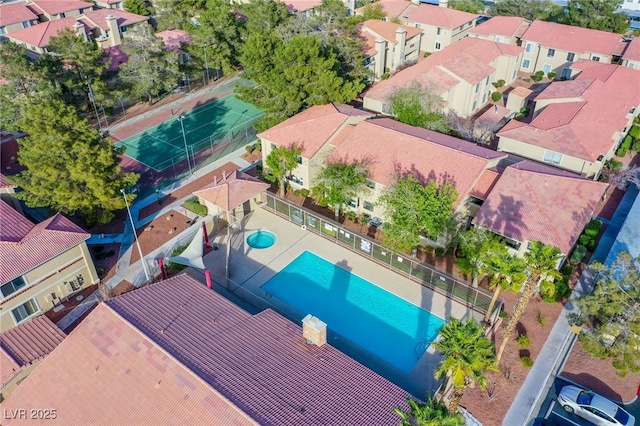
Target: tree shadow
pixel 503 217
pixel 593 383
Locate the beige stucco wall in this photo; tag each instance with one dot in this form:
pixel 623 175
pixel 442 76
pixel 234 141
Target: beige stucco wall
pixel 447 35
pixel 19 25
pixel 497 39
pixel 50 277
pixel 538 57
pixel 631 64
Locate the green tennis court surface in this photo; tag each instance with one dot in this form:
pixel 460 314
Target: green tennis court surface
pixel 163 145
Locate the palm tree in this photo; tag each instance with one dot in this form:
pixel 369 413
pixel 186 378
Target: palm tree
pixel 430 413
pixel 467 355
pixel 542 262
pixel 505 272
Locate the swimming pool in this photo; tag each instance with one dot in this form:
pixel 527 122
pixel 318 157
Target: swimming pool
pixel 374 319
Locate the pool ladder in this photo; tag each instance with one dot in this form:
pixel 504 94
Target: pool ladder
pixel 421 347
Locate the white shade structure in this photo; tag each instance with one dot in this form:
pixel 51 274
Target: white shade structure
pixel 192 256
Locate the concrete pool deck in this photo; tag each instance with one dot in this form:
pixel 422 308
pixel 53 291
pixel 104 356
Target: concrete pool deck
pixel 250 268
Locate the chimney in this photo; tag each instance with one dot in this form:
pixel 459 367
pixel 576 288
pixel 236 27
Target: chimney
pixel 114 30
pixel 401 44
pixel 78 27
pixel 314 330
pixel 443 3
pixel 380 57
pixel 224 175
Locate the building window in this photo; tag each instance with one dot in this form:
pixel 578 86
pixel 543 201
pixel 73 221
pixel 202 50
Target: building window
pixel 63 15
pixel 476 201
pixel 512 243
pixel 484 98
pixel 438 45
pixel 552 157
pixel 498 39
pixel 475 104
pixel 367 205
pixel 439 31
pixel 571 57
pixel 595 58
pixel 13 286
pixel 353 203
pixel 25 310
pixel 546 68
pixel 566 73
pixel 371 184
pixel 299 159
pixel 477 88
pixel 529 48
pixel 551 53
pixel 273 146
pixel 3 31
pixel 418 26
pixel 526 64
pixel 486 82
pixel 81 10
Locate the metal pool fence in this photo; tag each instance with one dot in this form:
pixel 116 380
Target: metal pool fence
pixel 474 298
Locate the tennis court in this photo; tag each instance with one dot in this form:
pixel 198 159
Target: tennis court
pixel 223 121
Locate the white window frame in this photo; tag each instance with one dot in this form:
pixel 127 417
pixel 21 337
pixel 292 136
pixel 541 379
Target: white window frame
pixel 547 68
pixel 529 47
pixel 552 157
pixel 551 53
pixel 526 64
pixel 571 57
pixel 439 31
pixel 596 58
pixel 437 45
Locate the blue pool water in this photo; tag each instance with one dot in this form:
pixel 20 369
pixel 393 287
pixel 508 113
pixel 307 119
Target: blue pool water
pixel 261 239
pixel 380 322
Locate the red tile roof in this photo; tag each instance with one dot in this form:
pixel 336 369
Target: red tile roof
pixel 440 16
pixel 485 184
pixel 311 128
pixel 23 245
pixel 465 60
pixel 232 191
pixel 532 202
pixel 302 5
pixel 54 7
pixel 506 26
pixel 174 39
pixel 27 343
pixel 572 39
pixel 15 13
pixel 39 35
pixel 393 146
pixel 4 183
pixel 566 90
pixel 387 30
pixel 391 8
pixel 196 358
pixel 98 18
pixel 632 51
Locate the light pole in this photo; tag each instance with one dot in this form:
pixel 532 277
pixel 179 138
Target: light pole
pixel 184 138
pixel 206 62
pixel 95 109
pixel 135 235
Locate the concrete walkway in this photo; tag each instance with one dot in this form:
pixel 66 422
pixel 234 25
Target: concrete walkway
pixel 560 341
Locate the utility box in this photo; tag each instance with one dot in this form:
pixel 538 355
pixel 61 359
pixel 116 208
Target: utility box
pixel 314 330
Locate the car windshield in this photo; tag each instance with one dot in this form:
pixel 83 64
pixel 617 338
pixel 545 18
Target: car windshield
pixel 584 398
pixel 622 416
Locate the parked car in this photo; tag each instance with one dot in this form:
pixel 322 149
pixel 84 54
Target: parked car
pixel 593 407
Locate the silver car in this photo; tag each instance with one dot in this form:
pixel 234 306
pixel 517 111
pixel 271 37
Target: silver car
pixel 593 407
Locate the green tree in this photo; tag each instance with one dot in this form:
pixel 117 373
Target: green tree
pixel 139 7
pixel 505 272
pixel 528 9
pixel 467 354
pixel 414 209
pixel 611 314
pixel 475 246
pixel 371 11
pixel 264 15
pixel 542 262
pixel 419 107
pixel 171 14
pixel 69 167
pixel 150 70
pixel 280 162
pixel 430 413
pixel 340 182
pixel 471 6
pixel 596 15
pixel 17 69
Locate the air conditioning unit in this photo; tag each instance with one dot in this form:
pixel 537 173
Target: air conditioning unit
pixel 314 330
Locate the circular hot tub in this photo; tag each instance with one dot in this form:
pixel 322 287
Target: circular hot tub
pixel 261 239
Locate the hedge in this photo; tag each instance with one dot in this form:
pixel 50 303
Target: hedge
pixel 578 254
pixel 194 205
pixel 634 132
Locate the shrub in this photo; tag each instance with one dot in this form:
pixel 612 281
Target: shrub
pixel 635 131
pixel 538 76
pixel 194 205
pixel 584 239
pixel 551 75
pixel 548 291
pixel 249 148
pixel 563 78
pixel 496 96
pixel 503 314
pixel 171 266
pixel 567 270
pixel 498 83
pixel 562 289
pixel 613 165
pixel 385 76
pixel 258 145
pixel 593 228
pixel 636 146
pixel 427 54
pixel 523 341
pixel 578 254
pixel 542 320
pixel 621 152
pixel 526 361
pixel 351 215
pixel 627 142
pixel 440 252
pixel 304 192
pixel 524 111
pixel 591 245
pixel 296 192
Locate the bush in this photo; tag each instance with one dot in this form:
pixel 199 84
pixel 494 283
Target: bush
pixel 636 146
pixel 249 148
pixel 496 96
pixel 593 227
pixel 194 205
pixel 627 142
pixel 621 152
pixel 635 131
pixel 578 254
pixel 567 270
pixel 498 83
pixel 440 252
pixel 584 239
pixel 523 341
pixel 171 266
pixel 551 75
pixel 304 192
pixel 526 361
pixel 258 145
pixel 524 111
pixel 385 76
pixel 591 245
pixel 538 76
pixel 351 215
pixel 613 165
pixel 427 54
pixel 503 314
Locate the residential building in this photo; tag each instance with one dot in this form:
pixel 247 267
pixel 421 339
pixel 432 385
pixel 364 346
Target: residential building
pixel 36 38
pixel 15 16
pixel 109 4
pixel 501 29
pixel 551 47
pixel 313 130
pixel 533 202
pixel 307 7
pixel 440 26
pixel 631 55
pixel 461 75
pixel 389 45
pixel 108 26
pixel 193 357
pixel 42 265
pixel 49 10
pixel 23 348
pixel 578 124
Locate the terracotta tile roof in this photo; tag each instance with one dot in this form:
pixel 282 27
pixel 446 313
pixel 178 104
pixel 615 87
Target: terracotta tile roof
pixel 532 202
pixel 494 114
pixel 467 59
pixel 54 7
pixel 232 190
pixel 584 127
pixel 391 8
pixel 485 184
pixel 387 30
pixel 393 146
pixel 302 5
pixel 98 18
pixel 632 51
pixel 39 35
pixel 199 359
pixel 173 39
pixel 572 39
pixel 521 92
pixel 4 183
pixel 14 13
pixel 311 128
pixel 27 343
pixel 440 16
pixel 23 245
pixel 506 26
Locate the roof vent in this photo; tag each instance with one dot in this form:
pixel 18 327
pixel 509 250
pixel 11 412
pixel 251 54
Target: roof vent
pixel 314 330
pixel 110 16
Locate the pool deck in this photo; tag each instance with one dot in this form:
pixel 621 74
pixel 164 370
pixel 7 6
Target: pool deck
pixel 250 268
